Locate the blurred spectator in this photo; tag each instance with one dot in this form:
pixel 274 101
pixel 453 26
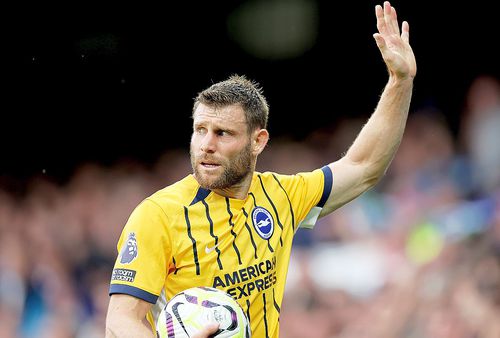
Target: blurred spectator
pixel 480 124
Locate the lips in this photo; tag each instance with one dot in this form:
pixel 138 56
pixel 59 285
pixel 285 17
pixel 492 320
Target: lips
pixel 208 162
pixel 210 165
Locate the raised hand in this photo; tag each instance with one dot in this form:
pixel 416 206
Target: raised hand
pixel 393 45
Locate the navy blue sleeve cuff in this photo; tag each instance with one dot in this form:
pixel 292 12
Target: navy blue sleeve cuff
pixel 133 291
pixel 327 188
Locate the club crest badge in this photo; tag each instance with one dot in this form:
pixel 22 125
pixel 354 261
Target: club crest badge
pixel 263 222
pixel 129 249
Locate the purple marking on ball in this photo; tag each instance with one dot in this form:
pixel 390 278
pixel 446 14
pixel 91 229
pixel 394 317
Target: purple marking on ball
pixel 209 304
pixel 170 326
pixel 192 299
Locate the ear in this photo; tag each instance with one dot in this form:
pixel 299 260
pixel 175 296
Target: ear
pixel 259 140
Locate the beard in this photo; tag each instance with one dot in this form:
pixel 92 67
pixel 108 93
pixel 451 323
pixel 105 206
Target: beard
pixel 235 170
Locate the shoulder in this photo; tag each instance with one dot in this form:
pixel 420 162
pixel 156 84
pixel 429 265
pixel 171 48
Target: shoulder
pixel 180 193
pixel 270 176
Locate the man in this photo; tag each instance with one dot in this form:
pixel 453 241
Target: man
pixel 230 227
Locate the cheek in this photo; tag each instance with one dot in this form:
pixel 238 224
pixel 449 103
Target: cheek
pixel 233 150
pixel 195 141
pixel 238 151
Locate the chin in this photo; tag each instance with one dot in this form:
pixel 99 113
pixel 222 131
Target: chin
pixel 206 180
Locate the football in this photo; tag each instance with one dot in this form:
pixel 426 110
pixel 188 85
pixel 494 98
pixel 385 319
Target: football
pixel 188 311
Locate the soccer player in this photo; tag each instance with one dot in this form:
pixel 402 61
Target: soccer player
pixel 230 227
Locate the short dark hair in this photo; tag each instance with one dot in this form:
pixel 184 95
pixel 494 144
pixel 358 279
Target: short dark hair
pixel 237 89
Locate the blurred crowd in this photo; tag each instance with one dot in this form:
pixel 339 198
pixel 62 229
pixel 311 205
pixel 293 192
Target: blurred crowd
pixel 418 256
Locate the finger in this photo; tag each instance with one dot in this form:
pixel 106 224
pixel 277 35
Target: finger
pixel 379 13
pixel 207 330
pixel 390 18
pixel 394 20
pixel 212 327
pixel 405 35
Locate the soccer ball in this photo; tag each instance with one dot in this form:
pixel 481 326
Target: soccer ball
pixel 188 311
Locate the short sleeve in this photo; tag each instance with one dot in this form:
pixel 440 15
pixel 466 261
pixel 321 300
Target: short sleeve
pixel 308 193
pixel 144 253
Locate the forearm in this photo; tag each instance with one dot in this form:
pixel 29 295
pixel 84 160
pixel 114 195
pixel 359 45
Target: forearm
pixel 379 139
pixel 127 317
pixel 128 328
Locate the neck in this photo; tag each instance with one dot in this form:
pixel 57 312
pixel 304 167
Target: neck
pixel 237 191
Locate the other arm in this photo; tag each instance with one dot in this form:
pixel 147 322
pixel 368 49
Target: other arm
pixel 369 156
pixel 126 317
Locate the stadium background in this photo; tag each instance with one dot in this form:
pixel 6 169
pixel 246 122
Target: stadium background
pixel 96 115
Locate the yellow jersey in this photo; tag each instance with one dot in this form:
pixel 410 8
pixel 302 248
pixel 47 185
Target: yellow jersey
pixel 184 236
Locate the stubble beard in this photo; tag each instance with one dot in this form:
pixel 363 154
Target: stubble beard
pixel 235 171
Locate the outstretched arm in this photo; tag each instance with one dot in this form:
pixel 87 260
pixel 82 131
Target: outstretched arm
pixel 369 156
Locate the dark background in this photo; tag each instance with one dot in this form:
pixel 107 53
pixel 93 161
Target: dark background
pixel 107 83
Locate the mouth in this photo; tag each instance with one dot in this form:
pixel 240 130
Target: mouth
pixel 209 165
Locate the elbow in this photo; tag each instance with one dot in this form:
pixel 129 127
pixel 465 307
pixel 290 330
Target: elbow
pixel 372 177
pixel 366 183
pixel 370 184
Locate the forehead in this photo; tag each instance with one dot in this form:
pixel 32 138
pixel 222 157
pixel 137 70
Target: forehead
pixel 227 115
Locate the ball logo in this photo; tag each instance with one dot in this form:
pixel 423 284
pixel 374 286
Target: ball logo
pixel 129 250
pixel 263 222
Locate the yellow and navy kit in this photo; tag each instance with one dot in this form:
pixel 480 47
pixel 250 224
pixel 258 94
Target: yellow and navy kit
pixel 184 236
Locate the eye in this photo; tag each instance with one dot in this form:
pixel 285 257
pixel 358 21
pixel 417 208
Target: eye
pixel 200 130
pixel 223 133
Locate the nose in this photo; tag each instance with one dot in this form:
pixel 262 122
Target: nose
pixel 208 143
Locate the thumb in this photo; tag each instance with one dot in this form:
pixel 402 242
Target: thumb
pixel 379 40
pixel 207 330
